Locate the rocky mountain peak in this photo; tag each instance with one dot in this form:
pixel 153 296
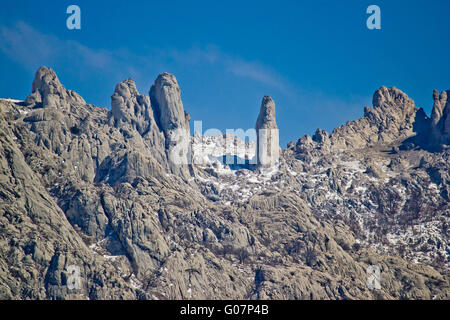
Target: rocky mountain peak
pixel 267 134
pixel 46 80
pixel 130 107
pixel 440 116
pixel 391 118
pixel 165 97
pixel 392 109
pixel 48 91
pixel 167 79
pixel 321 136
pixel 127 88
pixel 391 97
pixel 79 186
pixel 266 117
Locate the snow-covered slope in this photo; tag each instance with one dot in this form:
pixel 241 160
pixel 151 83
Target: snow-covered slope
pixel 367 189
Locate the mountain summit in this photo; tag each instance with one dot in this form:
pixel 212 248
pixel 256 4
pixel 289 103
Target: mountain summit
pixel 267 145
pixel 112 197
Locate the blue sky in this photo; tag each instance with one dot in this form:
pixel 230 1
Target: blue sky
pixel 317 59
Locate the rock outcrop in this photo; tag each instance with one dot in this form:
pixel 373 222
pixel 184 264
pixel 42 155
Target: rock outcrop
pixel 38 245
pixel 165 95
pixel 133 114
pixel 48 91
pixel 267 143
pixel 88 187
pixel 394 118
pixel 391 119
pixel 440 117
pixel 128 106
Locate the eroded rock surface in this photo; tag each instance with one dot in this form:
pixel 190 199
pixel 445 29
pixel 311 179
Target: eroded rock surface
pixel 267 143
pixel 85 186
pixel 165 95
pixel 440 117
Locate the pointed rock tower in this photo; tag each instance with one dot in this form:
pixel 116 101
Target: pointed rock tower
pixel 267 142
pixel 50 93
pixel 165 97
pixel 130 107
pixel 440 117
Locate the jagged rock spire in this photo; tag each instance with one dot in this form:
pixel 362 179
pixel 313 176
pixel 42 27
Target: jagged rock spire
pixel 48 91
pixel 446 122
pixel 438 106
pixel 440 117
pixel 165 96
pixel 128 106
pixel 393 101
pixel 267 143
pixel 46 81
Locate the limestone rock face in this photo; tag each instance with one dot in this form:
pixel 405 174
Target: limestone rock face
pixel 50 92
pixel 42 244
pixel 446 121
pixel 321 136
pixel 267 146
pixel 393 111
pixel 438 107
pixel 88 187
pixel 128 106
pixel 165 95
pixel 133 116
pixel 440 117
pixel 392 118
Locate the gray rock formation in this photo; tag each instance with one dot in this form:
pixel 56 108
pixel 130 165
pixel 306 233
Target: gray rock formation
pixel 165 95
pixel 133 115
pixel 440 117
pixel 438 107
pixel 391 119
pixel 50 92
pixel 128 106
pixel 38 244
pixel 321 136
pixel 84 186
pixel 446 121
pixel 267 143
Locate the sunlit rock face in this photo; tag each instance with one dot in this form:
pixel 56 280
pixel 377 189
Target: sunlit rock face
pixel 48 91
pixel 165 96
pixel 268 146
pixel 440 117
pixel 90 189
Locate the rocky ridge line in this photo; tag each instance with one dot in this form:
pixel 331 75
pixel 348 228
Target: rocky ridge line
pixel 114 198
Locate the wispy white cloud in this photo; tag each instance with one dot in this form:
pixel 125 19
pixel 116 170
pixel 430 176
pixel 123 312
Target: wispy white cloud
pixel 31 48
pixel 253 70
pixel 17 41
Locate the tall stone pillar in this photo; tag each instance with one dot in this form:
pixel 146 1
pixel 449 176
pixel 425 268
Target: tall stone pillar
pixel 267 142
